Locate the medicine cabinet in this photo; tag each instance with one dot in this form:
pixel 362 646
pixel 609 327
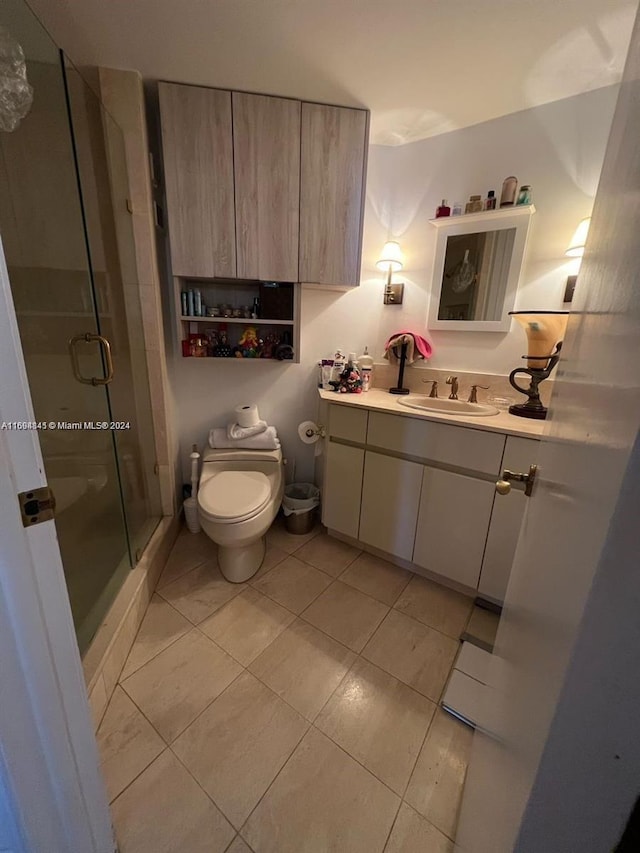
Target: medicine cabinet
pixel 478 260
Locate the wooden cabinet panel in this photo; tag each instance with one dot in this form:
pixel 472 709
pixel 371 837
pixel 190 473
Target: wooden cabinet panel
pixel 266 147
pixel 452 525
pixel 462 447
pixel 342 488
pixel 197 146
pixel 333 158
pixel 390 499
pixel 348 423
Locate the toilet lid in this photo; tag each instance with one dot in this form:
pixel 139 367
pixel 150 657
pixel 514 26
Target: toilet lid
pixel 234 494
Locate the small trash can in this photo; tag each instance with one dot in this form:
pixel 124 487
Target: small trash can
pixel 299 504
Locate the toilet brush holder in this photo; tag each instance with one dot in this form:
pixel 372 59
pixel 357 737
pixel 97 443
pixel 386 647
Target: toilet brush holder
pixel 191 515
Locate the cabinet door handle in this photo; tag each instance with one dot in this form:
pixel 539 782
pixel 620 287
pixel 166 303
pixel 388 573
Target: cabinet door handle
pixel 503 486
pixel 88 337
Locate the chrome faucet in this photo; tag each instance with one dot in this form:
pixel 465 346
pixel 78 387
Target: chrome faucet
pixel 453 381
pixel 473 394
pixel 434 387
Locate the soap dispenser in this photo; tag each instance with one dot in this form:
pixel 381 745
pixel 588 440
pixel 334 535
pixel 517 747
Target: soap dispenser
pixel 365 363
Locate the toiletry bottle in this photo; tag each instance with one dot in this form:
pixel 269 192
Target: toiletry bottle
pixel 197 303
pixel 474 205
pixel 457 208
pixel 255 311
pixel 339 362
pixel 443 209
pixel 365 363
pixel 184 304
pixel 190 312
pixel 327 371
pixel 509 187
pixel 524 196
pixel 490 201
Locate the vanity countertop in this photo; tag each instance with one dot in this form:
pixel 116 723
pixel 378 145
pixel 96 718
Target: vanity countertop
pixel 379 400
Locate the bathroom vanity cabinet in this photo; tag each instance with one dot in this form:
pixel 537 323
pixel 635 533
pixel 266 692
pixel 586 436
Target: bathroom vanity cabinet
pixel 261 187
pixel 423 493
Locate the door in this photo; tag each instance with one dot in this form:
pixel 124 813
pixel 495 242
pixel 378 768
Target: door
pixel 266 165
pixel 74 287
pixel 452 525
pixel 343 488
pixel 42 228
pixel 333 164
pixel 560 770
pixel 50 783
pixel 390 498
pixel 506 520
pixel 197 151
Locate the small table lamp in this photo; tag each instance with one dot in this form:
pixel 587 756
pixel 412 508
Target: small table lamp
pixel 545 332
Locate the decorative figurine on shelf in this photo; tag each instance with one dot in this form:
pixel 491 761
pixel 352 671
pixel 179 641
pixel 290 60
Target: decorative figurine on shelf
pixel 271 343
pixel 212 342
pixel 248 345
pixel 223 350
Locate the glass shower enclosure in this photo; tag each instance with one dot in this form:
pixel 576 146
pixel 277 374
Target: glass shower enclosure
pixel 66 232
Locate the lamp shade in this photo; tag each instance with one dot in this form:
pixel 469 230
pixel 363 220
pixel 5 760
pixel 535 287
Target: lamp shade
pixel 391 257
pixel 575 249
pixel 544 329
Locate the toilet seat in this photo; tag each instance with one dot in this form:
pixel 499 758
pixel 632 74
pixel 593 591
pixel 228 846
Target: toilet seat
pixel 232 496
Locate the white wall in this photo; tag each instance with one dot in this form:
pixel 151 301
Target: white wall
pixel 557 148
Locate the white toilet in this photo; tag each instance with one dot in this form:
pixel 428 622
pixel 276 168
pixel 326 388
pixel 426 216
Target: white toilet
pixel 239 496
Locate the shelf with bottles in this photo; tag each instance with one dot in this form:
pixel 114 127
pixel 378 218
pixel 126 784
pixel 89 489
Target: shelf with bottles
pixel 251 321
pixel 483 215
pixel 234 333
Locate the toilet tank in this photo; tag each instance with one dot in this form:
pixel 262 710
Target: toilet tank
pixel 231 456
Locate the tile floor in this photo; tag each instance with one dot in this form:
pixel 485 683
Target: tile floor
pixel 297 712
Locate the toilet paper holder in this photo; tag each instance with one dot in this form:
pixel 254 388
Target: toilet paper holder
pixel 319 430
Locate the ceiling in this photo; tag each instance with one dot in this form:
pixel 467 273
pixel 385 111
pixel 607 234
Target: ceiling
pixel 421 66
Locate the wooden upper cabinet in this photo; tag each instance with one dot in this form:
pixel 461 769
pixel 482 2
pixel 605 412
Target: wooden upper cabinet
pixel 197 144
pixel 266 146
pixel 333 161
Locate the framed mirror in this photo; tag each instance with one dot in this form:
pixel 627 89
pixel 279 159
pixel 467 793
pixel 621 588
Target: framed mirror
pixel 477 264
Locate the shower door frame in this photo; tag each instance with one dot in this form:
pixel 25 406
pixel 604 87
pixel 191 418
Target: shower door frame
pixel 49 758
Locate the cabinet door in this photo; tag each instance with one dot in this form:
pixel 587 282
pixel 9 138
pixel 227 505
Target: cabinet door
pixel 506 521
pixel 452 525
pixel 197 146
pixel 390 499
pixel 266 148
pixel 342 488
pixel 333 158
pixel 504 530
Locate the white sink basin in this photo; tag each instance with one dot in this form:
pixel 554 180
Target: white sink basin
pixel 449 407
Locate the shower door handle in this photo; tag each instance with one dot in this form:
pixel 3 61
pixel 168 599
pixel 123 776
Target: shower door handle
pixel 87 338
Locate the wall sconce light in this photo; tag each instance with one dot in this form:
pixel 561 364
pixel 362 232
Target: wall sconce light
pixel 575 249
pixel 391 261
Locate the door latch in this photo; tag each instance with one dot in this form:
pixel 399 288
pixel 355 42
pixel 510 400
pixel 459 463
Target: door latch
pixel 37 505
pixel 503 486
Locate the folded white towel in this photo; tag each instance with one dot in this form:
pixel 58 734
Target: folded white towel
pixel 267 440
pixel 236 432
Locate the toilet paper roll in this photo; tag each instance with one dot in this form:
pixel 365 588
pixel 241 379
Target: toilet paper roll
pixel 308 432
pixel 247 415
